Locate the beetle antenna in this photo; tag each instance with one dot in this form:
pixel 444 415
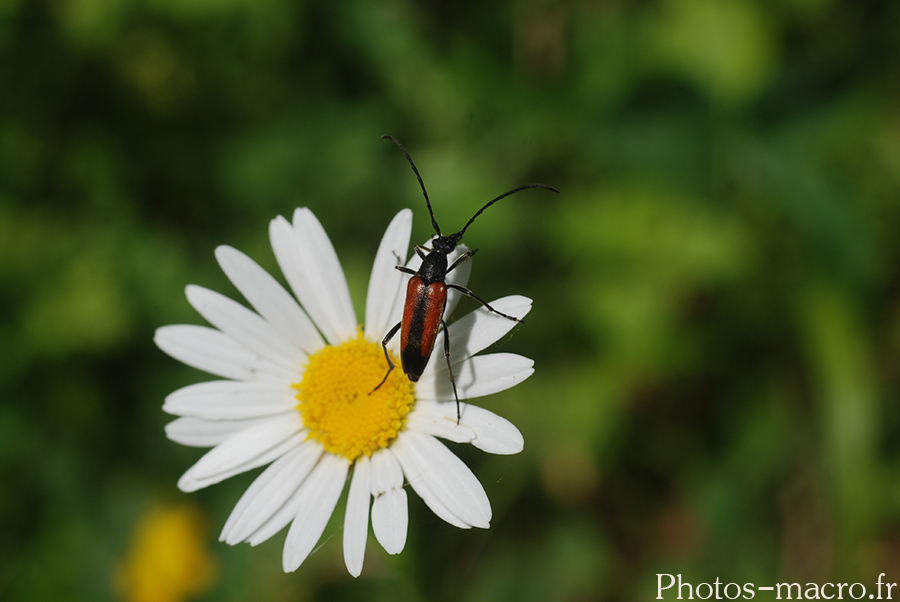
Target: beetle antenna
pixel 421 183
pixel 458 236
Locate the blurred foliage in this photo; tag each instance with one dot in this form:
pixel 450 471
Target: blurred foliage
pixel 717 293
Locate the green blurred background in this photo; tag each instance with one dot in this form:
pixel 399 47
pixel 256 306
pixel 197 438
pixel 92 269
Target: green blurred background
pixel 716 327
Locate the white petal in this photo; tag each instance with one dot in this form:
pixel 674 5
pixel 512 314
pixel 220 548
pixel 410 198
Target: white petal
pixel 356 517
pixel 270 299
pixel 245 327
pixel 432 468
pixel 428 417
pixel 230 400
pixel 476 377
pixel 275 523
pixel 384 300
pixel 315 500
pixel 215 352
pixel 480 328
pixel 390 515
pixel 324 266
pixel 270 492
pixel 493 434
pixel 248 449
pixel 310 265
pixel 483 429
pixel 433 501
pixel 200 432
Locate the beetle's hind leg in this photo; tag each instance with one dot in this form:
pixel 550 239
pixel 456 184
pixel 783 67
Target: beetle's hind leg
pixel 450 370
pixel 469 293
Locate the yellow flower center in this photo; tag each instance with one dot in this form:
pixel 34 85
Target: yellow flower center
pixel 338 405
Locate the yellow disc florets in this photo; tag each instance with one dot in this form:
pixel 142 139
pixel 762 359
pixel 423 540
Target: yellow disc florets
pixel 339 406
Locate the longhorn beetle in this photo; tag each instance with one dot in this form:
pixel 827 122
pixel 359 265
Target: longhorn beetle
pixel 426 294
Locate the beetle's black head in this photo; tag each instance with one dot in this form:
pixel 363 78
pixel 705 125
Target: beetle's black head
pixel 444 244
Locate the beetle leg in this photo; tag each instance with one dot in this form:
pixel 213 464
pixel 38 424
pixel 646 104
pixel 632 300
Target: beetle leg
pixel 387 339
pixel 462 258
pixel 469 293
pixel 450 370
pixel 420 251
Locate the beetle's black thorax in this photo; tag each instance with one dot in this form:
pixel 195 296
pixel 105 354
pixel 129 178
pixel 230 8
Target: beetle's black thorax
pixel 434 267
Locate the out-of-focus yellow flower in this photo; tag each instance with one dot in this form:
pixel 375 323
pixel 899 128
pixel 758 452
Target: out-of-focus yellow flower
pixel 168 560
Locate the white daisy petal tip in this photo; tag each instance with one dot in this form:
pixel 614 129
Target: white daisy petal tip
pixel 310 264
pixel 224 253
pixel 493 434
pixel 270 493
pixel 519 306
pixel 384 300
pixel 390 517
pixel 480 427
pixel 477 376
pixel 356 518
pixel 191 291
pixel 390 520
pixel 443 481
pixel 252 447
pixel 313 503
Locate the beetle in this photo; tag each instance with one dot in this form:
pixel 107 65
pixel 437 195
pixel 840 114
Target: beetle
pixel 426 294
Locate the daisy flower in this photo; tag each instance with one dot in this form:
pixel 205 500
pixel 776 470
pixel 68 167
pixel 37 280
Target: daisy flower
pixel 297 396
